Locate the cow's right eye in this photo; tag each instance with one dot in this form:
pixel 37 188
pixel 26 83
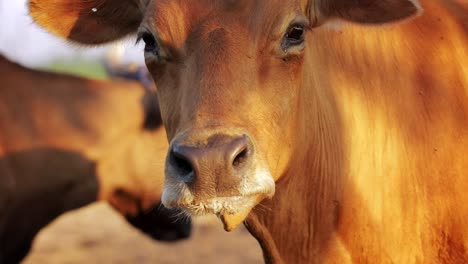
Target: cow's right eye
pixel 151 45
pixel 294 37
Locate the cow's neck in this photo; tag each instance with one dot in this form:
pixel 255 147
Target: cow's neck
pixel 301 228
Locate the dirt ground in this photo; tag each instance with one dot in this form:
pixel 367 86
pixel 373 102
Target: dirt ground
pixel 97 234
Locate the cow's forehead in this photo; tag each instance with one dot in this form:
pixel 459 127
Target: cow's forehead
pixel 176 19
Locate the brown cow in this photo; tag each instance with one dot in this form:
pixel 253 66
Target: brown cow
pixel 360 130
pixel 66 142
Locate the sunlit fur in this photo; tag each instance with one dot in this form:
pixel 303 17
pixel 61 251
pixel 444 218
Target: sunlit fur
pixel 365 134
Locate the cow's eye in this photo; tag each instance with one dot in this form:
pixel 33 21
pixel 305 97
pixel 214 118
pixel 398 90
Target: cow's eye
pixel 151 45
pixel 295 34
pixel 293 37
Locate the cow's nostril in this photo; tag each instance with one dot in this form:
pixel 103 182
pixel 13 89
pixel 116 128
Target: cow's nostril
pixel 240 157
pixel 182 164
pixel 239 152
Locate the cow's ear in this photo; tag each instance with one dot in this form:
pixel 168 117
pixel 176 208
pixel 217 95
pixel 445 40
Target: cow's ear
pixel 363 11
pixel 89 21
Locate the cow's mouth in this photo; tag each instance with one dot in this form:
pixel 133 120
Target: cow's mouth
pixel 232 210
pixel 221 205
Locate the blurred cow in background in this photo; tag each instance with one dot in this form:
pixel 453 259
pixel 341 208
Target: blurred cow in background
pixel 67 141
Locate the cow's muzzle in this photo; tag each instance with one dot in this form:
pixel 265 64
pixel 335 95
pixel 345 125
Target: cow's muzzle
pixel 219 174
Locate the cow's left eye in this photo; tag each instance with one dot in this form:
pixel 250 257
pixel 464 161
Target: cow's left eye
pixel 293 37
pixel 151 45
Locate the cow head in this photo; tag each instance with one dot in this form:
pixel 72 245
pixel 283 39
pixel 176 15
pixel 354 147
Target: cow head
pixel 231 83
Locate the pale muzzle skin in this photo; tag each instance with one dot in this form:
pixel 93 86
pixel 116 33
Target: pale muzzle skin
pixel 242 178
